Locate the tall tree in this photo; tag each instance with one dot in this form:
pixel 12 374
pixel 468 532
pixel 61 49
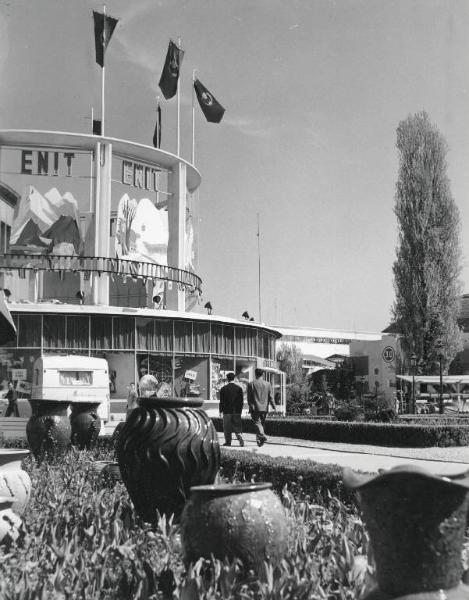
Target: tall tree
pixel 290 359
pixel 428 263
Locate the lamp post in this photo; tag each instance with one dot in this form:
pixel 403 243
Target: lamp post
pixel 439 347
pixel 413 364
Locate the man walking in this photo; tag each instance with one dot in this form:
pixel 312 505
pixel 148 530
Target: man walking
pixel 12 397
pixel 231 405
pixel 259 400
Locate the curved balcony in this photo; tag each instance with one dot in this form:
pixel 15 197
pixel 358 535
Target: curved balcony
pixel 97 264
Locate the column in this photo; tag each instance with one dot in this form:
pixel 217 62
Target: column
pixel 177 187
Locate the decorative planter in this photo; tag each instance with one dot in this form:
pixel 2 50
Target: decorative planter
pixel 416 521
pixel 166 446
pixel 107 469
pixel 85 423
pixel 246 521
pixel 14 482
pixel 10 522
pixel 48 429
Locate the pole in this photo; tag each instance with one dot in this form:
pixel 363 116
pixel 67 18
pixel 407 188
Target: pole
pixel 259 266
pixel 103 71
pixel 412 410
pixel 441 387
pixel 193 116
pixel 178 126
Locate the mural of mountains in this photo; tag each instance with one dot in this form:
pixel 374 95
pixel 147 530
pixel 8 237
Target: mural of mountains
pixel 46 223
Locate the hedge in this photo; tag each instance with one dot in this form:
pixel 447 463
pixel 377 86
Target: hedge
pixel 351 432
pixel 320 481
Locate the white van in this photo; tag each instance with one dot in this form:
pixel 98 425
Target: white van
pixel 72 378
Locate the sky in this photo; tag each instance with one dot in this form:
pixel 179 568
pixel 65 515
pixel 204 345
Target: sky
pixel 314 91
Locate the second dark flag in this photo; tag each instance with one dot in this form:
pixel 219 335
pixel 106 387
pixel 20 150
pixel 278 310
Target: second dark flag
pixel 157 133
pixel 210 106
pixel 172 66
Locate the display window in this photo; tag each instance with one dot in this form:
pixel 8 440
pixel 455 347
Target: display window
pixel 191 377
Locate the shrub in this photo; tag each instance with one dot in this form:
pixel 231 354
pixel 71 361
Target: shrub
pixel 348 411
pixel 376 434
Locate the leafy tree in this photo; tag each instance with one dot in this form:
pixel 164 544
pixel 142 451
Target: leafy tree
pixel 290 360
pixel 428 263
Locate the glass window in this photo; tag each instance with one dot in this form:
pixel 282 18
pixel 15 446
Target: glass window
pixel 216 343
pixel 123 329
pixel 183 336
pixel 219 370
pixel 145 334
pixel 54 331
pixel 76 378
pixel 29 331
pixel 228 339
pixel 163 335
pixel 101 332
pixel 246 338
pixel 78 332
pixel 190 377
pixel 201 337
pixel 160 367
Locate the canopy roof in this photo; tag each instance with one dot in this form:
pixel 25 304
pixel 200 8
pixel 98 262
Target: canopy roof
pixel 434 378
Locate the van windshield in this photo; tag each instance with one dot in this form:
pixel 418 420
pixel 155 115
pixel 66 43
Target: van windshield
pixel 76 377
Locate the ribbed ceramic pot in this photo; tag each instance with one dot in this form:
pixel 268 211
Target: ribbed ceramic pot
pixel 48 429
pixel 10 522
pixel 416 521
pixel 246 521
pixel 14 482
pixel 166 446
pixel 85 423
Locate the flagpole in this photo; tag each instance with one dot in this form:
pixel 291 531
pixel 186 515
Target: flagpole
pixel 178 108
pixel 103 72
pixel 193 116
pixel 259 265
pixel 91 164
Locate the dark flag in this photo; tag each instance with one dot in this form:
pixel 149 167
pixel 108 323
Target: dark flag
pixel 157 134
pixel 172 66
pixel 103 29
pixel 7 326
pixel 211 108
pixel 96 127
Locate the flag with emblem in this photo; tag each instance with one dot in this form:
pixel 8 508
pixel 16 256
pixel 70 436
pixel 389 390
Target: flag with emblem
pixel 210 106
pixel 170 75
pixel 7 326
pixel 104 26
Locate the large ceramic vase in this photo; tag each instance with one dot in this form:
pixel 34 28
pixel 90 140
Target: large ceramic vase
pixel 416 521
pixel 166 446
pixel 14 482
pixel 245 521
pixel 10 522
pixel 48 429
pixel 85 423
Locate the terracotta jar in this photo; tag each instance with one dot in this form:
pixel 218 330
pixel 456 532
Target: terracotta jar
pixel 416 521
pixel 166 446
pixel 85 423
pixel 14 482
pixel 246 521
pixel 10 522
pixel 48 429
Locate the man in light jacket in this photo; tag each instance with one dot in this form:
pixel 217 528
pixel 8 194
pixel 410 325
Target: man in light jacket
pixel 259 400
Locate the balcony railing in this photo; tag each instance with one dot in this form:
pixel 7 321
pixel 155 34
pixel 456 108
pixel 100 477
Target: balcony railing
pixel 97 264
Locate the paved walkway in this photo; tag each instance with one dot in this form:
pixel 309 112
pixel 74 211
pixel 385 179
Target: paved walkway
pixel 443 461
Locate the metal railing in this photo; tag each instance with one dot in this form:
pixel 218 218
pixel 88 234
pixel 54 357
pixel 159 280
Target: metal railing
pixel 98 264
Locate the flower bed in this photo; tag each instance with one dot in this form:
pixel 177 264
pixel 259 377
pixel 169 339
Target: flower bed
pixel 83 540
pixel 378 434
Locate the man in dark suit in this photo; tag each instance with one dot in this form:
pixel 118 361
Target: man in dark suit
pixel 231 405
pixel 259 400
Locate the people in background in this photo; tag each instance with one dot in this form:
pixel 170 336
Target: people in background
pixel 231 406
pixel 132 398
pixel 12 397
pixel 259 400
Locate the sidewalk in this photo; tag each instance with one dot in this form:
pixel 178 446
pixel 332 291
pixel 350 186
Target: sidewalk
pixel 443 461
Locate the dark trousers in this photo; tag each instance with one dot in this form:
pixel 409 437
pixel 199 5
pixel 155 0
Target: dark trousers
pixel 258 418
pixel 232 424
pixel 12 408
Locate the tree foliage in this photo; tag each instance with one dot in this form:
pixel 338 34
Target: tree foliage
pixel 428 255
pixel 290 361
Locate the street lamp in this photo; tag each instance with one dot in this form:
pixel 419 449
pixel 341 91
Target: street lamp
pixel 439 347
pixel 413 364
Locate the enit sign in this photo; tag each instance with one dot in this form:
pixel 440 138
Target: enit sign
pixel 139 176
pixel 42 162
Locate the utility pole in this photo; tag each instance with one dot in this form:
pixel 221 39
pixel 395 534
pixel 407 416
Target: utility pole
pixel 259 266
